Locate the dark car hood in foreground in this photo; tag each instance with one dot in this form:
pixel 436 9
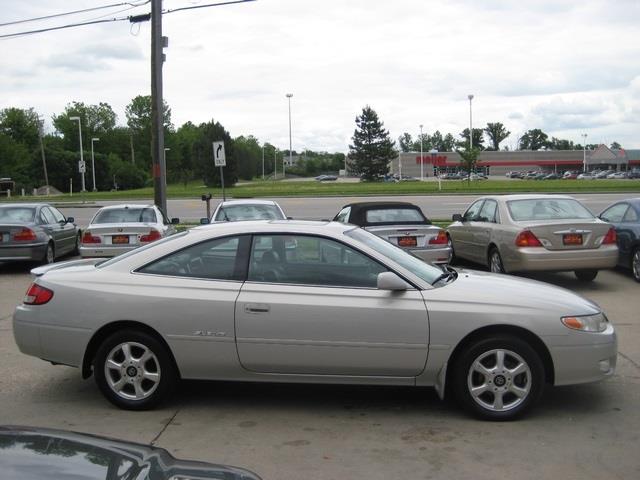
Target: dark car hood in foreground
pixel 28 453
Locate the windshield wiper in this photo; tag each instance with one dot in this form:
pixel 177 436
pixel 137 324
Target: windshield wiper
pixel 448 274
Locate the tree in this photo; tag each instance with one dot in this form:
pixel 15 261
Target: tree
pixel 496 133
pixel 21 125
pixel 138 114
pixel 560 144
pixel 533 140
pixel 478 139
pixel 372 149
pixel 96 120
pixel 405 142
pixel 615 146
pixel 469 159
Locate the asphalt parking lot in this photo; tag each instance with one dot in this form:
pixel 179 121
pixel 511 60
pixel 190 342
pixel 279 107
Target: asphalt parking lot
pixel 336 432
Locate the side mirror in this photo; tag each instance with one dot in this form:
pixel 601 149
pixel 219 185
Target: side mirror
pixel 289 218
pixel 70 220
pixel 457 217
pixel 204 221
pixel 175 221
pixel 391 281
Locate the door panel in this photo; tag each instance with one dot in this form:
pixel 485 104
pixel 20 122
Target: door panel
pixel 300 329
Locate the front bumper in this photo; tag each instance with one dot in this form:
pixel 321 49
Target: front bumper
pixel 433 255
pixel 541 259
pixel 105 251
pixel 31 252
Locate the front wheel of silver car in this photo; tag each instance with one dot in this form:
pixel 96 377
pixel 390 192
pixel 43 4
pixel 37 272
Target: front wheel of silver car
pixel 498 378
pixel 495 261
pixel 134 370
pixel 635 264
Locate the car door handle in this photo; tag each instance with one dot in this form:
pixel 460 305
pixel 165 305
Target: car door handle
pixel 256 308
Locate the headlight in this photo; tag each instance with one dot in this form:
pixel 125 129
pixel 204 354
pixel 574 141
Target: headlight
pixel 587 323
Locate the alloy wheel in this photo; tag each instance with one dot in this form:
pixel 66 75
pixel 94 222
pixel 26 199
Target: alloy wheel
pixel 635 264
pixel 49 256
pixel 496 262
pixel 132 371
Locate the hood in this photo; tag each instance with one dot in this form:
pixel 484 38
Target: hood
pixel 506 292
pixel 71 266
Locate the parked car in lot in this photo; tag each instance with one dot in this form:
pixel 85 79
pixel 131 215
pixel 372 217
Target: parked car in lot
pixel 514 174
pixel 551 176
pixel 570 175
pixel 514 233
pixel 625 218
pixel 633 173
pixel 36 232
pixel 232 301
pixel 402 224
pixel 586 176
pixel 116 229
pixel 30 453
pixel 617 175
pixel 250 209
pixel 326 178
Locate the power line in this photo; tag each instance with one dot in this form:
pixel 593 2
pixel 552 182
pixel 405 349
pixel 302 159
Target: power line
pixel 62 27
pixel 74 12
pixel 207 5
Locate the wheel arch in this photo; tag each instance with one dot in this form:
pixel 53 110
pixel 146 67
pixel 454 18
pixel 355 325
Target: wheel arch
pixel 103 332
pixel 522 333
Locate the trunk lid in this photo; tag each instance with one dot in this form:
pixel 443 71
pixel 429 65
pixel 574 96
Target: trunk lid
pixel 119 233
pixel 408 236
pixel 568 234
pixel 8 230
pixel 71 265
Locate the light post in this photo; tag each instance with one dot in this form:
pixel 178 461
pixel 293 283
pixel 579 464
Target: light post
pixel 93 163
pixel 470 97
pixel 584 152
pixel 421 159
pixel 263 162
pixel 275 163
pixel 81 165
pixel 289 95
pixel 434 153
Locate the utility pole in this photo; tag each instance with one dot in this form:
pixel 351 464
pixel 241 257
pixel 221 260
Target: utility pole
pixel 158 42
pixel 289 95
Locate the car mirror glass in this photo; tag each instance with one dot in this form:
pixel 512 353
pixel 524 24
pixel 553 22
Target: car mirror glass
pixel 204 221
pixel 175 221
pixel 70 220
pixel 457 217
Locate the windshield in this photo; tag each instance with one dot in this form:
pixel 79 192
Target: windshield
pixel 395 215
pixel 235 213
pixel 423 270
pixel 113 260
pixel 126 215
pixel 547 209
pixel 16 214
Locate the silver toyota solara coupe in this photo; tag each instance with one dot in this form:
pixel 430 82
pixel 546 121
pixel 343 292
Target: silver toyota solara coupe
pixel 318 302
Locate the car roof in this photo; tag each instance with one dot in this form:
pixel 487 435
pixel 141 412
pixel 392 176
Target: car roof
pixel 527 197
pixel 127 205
pixel 273 226
pixel 25 205
pixel 366 205
pixel 248 201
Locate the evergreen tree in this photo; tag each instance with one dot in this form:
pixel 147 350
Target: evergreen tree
pixel 372 149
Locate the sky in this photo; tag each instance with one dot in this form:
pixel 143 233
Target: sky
pixel 566 67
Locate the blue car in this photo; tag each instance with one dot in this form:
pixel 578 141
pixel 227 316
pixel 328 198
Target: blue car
pixel 625 218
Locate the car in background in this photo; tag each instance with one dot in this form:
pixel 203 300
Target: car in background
pixel 514 174
pixel 326 178
pixel 476 176
pixel 570 175
pixel 402 224
pixel 36 232
pixel 603 174
pixel 625 218
pixel 116 229
pixel 633 173
pixel 250 209
pixel 31 453
pixel 231 301
pixel 586 176
pixel 551 176
pixel 516 233
pixel 617 175
pixel 450 176
pixel 405 178
pixel 531 175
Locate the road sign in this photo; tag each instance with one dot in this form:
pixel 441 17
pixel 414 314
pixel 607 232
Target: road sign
pixel 82 166
pixel 219 159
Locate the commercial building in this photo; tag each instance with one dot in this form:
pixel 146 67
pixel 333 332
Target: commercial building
pixel 499 163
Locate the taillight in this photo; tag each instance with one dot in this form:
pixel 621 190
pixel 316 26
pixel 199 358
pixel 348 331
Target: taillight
pixel 526 238
pixel 440 239
pixel 89 238
pixel 152 236
pixel 37 295
pixel 24 235
pixel 610 237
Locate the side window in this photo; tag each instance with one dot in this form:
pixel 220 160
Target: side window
pixel 57 215
pixel 309 260
pixel 631 216
pixel 47 217
pixel 488 212
pixel 218 259
pixel 616 213
pixel 472 212
pixel 343 215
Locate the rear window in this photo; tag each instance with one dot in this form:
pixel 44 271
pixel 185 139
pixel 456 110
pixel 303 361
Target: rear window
pixel 16 214
pixel 395 215
pixel 126 215
pixel 547 209
pixel 235 213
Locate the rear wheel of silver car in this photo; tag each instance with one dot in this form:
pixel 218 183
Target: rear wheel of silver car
pixel 495 261
pixel 134 370
pixel 452 255
pixel 49 255
pixel 635 264
pixel 498 378
pixel 586 275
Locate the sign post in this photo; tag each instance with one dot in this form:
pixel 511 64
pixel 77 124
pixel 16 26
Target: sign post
pixel 219 160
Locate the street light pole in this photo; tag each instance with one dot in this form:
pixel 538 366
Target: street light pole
pixel 470 97
pixel 77 119
pixel 289 95
pixel 584 152
pixel 263 162
pixel 421 159
pixel 275 163
pixel 93 164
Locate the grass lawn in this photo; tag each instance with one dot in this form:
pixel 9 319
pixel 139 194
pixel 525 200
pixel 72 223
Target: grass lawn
pixel 316 189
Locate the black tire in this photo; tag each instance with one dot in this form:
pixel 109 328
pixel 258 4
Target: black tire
pixel 453 258
pixel 495 261
pixel 134 371
pixel 76 248
pixel 635 264
pixel 586 275
pixel 49 254
pixel 516 351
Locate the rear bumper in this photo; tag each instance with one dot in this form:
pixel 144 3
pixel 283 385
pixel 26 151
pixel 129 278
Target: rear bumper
pixel 433 255
pixel 31 252
pixel 104 251
pixel 538 259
